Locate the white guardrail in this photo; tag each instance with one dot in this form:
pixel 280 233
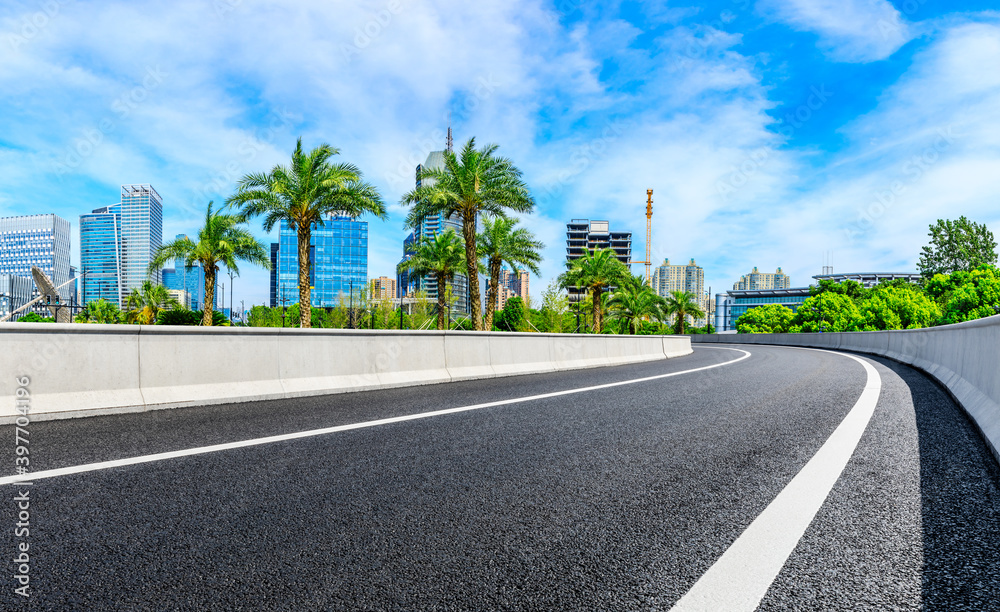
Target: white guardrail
pixel 73 370
pixel 964 358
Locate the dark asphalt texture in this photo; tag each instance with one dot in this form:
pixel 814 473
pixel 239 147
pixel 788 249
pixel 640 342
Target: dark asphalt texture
pixel 616 499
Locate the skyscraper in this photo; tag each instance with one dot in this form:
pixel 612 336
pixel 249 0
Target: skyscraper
pixel 42 241
pixel 383 288
pixel 584 234
pixel 100 254
pixel 141 235
pixel 338 256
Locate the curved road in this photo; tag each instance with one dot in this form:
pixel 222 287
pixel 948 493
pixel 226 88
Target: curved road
pixel 595 496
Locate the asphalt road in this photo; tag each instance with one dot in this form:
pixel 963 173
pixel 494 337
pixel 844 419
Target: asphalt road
pixel 617 498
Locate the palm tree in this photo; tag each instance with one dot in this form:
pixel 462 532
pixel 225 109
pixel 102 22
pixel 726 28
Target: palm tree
pixel 442 256
pixel 100 311
pixel 682 304
pixel 634 301
pixel 147 302
pixel 596 271
pixel 222 240
pixel 500 242
pixel 472 183
pixel 303 194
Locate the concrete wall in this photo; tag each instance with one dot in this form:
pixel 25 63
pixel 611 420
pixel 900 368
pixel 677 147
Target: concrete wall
pixel 965 358
pixel 78 370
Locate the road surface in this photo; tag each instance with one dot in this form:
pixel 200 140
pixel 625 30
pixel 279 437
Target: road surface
pixel 621 488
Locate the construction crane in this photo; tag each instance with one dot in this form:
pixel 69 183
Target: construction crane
pixel 649 237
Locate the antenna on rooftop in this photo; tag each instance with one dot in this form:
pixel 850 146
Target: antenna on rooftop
pixel 450 143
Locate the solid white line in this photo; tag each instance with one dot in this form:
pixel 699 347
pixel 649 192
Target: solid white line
pixel 104 465
pixel 741 577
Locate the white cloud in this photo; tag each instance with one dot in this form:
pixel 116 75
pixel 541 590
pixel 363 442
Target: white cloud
pixel 849 30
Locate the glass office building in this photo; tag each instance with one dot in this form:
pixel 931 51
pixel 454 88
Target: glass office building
pixel 117 244
pixel 100 256
pixel 41 241
pixel 141 235
pixel 338 257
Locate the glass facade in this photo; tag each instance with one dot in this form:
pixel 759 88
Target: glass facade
pixel 729 306
pixel 42 241
pixel 141 235
pixel 100 256
pixel 338 257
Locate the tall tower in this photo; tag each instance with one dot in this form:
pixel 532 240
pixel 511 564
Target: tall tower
pixel 100 255
pixel 141 235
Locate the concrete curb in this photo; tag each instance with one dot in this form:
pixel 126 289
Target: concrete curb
pixel 82 370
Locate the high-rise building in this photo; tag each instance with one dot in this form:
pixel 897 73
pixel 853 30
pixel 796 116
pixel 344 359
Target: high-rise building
pixel 41 241
pixel 142 234
pixel 429 228
pixel 757 281
pixel 100 255
pixel 383 288
pixel 511 284
pixel 338 258
pixel 190 280
pixel 117 244
pixel 584 234
pixel 689 278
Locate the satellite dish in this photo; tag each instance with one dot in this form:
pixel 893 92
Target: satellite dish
pixel 50 297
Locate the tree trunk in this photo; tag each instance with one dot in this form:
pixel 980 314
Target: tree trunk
pixel 209 308
pixel 598 319
pixel 442 286
pixel 305 295
pixel 492 293
pixel 472 267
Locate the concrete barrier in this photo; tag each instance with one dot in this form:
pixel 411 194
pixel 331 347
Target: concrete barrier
pixel 964 358
pixel 78 370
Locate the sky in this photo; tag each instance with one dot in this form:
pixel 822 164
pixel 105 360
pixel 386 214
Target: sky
pixel 773 133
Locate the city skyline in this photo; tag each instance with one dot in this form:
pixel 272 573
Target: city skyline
pixel 764 128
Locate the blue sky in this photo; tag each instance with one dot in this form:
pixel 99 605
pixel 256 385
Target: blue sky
pixel 773 132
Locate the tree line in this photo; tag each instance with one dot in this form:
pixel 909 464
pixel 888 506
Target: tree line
pixel 959 282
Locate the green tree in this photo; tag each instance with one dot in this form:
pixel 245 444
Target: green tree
pixel 828 312
pixel 894 307
pixel 681 304
pixel 634 301
pixel 475 182
pixel 595 271
pixel 221 240
pixel 503 242
pixel 851 289
pixel 767 319
pixel 305 193
pixel 34 317
pixel 511 318
pixel 100 311
pixel 964 296
pixel 442 255
pixel 554 307
pixel 957 246
pixel 146 302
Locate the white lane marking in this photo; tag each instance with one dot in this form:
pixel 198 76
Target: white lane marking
pixel 104 465
pixel 741 577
